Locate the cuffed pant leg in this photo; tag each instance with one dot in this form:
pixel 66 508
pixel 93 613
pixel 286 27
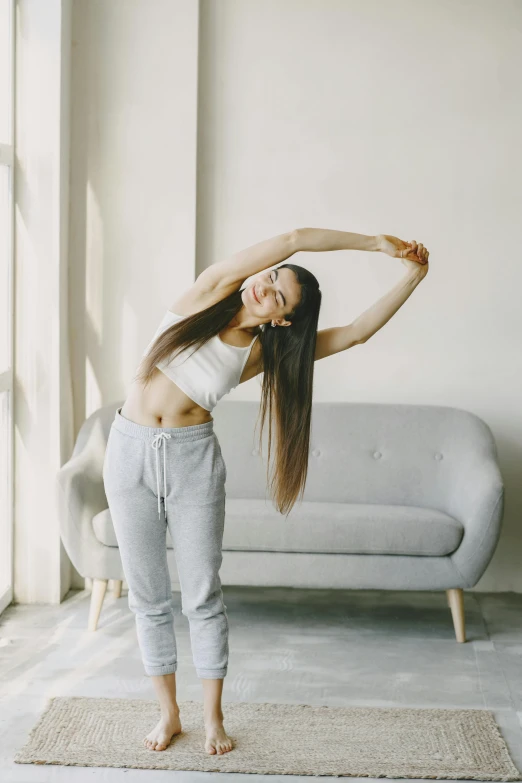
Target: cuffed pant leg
pixel 141 537
pixel 197 533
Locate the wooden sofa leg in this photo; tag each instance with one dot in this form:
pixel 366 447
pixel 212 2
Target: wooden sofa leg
pixel 456 604
pixel 116 587
pixel 99 588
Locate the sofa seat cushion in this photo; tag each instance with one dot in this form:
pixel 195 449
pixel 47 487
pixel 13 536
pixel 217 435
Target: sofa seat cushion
pixel 323 527
pixel 347 528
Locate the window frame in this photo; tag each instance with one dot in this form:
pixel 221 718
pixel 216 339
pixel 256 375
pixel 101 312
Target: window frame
pixel 7 158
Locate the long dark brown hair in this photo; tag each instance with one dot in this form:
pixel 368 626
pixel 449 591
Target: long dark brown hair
pixel 288 372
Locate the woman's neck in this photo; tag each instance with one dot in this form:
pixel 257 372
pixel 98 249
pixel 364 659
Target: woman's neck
pixel 245 322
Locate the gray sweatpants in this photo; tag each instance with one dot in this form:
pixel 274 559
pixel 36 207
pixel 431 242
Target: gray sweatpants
pixel 175 476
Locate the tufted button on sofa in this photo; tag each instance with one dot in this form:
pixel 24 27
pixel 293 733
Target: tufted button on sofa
pixel 398 497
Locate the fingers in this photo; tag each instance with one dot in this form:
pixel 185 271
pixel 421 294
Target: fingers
pixel 408 250
pixel 415 252
pixel 420 251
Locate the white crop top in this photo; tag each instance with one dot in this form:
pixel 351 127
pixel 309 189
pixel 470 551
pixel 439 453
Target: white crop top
pixel 207 373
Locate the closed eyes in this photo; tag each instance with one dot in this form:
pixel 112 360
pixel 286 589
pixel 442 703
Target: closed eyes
pixel 273 279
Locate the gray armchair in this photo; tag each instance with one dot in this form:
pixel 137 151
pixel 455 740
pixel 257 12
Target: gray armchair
pixel 398 497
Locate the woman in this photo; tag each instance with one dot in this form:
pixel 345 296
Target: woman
pixel 215 336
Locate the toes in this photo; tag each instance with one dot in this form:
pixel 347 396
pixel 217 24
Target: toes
pixel 155 744
pixel 219 747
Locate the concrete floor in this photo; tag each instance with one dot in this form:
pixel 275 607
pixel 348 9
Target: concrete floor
pixel 339 648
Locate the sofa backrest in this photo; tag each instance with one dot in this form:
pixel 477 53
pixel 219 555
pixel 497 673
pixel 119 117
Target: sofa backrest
pixel 362 452
pixel 397 454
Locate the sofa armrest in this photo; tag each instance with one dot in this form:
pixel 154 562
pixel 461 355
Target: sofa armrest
pixel 477 501
pixel 81 495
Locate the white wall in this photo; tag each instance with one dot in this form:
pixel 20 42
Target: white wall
pixel 360 115
pixel 133 183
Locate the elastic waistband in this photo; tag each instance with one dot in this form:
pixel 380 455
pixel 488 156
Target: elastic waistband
pixel 191 432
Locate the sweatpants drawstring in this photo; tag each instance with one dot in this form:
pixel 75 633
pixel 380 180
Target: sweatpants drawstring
pixel 156 444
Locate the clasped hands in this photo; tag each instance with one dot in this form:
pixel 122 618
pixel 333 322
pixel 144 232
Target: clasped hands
pixel 412 254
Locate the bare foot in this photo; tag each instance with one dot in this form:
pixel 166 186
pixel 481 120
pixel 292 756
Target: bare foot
pixel 218 741
pixel 161 735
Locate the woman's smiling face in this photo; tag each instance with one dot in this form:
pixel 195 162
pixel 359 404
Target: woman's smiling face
pixel 271 294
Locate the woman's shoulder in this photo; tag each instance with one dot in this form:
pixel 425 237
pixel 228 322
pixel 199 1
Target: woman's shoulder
pixel 194 300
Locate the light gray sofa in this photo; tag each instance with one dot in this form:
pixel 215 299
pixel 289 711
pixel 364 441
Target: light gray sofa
pixel 398 497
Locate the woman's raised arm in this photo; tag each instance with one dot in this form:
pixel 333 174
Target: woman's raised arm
pixel 232 272
pixel 339 338
pixel 321 239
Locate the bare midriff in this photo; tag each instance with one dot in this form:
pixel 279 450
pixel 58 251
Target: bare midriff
pixel 162 404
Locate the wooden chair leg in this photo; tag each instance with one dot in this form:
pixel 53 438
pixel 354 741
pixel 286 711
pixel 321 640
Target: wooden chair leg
pixel 456 604
pixel 99 588
pixel 116 587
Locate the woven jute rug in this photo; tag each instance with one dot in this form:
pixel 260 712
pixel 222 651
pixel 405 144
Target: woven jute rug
pixel 276 739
